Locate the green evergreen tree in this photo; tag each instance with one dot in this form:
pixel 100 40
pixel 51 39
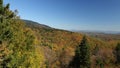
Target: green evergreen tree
pixel 82 55
pixel 1 6
pixel 118 53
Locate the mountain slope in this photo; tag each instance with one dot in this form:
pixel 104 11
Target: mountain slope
pixel 59 46
pixel 35 24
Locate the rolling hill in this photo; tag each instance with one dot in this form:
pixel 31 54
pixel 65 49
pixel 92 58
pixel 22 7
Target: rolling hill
pixel 35 24
pixel 59 45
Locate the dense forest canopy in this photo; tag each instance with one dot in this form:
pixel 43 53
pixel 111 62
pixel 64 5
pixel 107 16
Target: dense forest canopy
pixel 17 42
pixel 24 44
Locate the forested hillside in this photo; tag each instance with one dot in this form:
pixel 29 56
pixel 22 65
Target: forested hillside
pixel 60 46
pixel 18 44
pixel 27 44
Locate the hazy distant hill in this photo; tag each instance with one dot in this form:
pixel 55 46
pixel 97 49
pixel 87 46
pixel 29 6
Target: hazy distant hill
pixel 110 35
pixel 106 36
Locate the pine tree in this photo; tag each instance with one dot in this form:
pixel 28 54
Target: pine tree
pixel 118 53
pixel 1 2
pixel 82 55
pixel 1 10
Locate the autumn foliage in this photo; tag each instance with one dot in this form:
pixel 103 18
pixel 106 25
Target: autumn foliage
pixel 24 45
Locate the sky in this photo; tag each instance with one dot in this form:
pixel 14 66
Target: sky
pixel 100 15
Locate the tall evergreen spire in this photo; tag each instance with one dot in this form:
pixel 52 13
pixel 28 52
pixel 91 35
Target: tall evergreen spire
pixel 1 3
pixel 1 6
pixel 1 9
pixel 82 55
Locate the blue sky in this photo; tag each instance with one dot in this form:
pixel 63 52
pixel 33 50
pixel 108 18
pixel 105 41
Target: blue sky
pixel 102 15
